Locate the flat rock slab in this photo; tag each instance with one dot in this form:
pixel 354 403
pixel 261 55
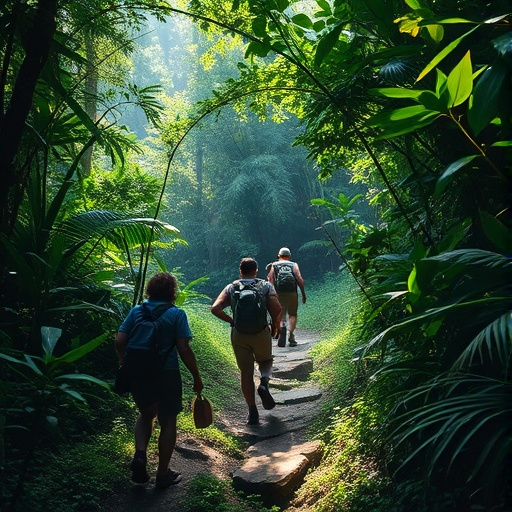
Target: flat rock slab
pixel 275 468
pixel 297 395
pixel 278 421
pixel 293 369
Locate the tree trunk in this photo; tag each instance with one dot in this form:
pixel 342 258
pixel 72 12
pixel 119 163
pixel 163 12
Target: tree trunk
pixel 12 125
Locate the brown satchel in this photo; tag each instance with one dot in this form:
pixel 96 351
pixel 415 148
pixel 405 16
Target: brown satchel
pixel 202 411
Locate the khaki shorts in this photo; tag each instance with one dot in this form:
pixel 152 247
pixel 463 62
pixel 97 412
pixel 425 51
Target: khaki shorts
pixel 289 302
pixel 251 347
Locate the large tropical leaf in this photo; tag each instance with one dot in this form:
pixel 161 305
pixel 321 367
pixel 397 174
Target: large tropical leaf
pixel 469 417
pixel 116 228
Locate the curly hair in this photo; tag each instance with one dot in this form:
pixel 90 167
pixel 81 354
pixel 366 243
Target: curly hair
pixel 162 286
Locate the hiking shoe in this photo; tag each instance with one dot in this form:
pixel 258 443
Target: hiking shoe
pixel 291 340
pixel 254 416
pixel 170 478
pixel 266 398
pixel 138 469
pixel 281 341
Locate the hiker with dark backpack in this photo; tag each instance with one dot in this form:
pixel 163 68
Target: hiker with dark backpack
pixel 147 344
pixel 286 277
pixel 251 301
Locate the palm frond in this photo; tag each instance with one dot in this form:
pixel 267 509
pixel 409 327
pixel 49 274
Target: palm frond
pixel 470 417
pixel 116 228
pixel 495 339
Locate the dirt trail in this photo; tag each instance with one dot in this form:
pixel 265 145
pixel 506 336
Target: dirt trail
pixel 192 456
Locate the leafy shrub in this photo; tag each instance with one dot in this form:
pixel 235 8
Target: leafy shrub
pixel 76 476
pixel 207 493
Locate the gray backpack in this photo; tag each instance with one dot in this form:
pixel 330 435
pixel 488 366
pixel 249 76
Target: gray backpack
pixel 284 276
pixel 249 306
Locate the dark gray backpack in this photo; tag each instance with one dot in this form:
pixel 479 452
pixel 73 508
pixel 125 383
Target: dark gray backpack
pixel 284 276
pixel 249 306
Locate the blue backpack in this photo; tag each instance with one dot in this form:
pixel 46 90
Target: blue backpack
pixel 142 357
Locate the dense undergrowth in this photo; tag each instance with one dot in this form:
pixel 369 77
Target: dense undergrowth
pixel 355 474
pixel 83 457
pixel 86 456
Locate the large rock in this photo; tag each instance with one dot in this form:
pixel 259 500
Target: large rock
pixel 276 467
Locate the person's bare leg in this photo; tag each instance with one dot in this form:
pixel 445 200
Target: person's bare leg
pixel 144 427
pixel 248 390
pixel 143 430
pixel 166 444
pixel 292 323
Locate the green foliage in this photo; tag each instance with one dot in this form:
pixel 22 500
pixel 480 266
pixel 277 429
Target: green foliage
pixel 333 365
pixel 207 493
pixel 126 189
pixel 335 292
pixel 36 394
pixel 77 476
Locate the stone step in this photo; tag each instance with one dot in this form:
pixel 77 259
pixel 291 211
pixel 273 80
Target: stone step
pixel 293 369
pixel 297 395
pixel 276 467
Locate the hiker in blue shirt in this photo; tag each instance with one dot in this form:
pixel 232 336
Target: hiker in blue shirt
pixel 250 333
pixel 286 277
pixel 160 394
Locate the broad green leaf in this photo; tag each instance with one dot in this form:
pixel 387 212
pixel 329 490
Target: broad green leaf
pixel 441 82
pixel 259 26
pixel 324 5
pixel 75 395
pixel 395 92
pixel 485 105
pixel 409 24
pixel 319 25
pixel 455 234
pixel 419 251
pixel 449 48
pixel 303 21
pixel 443 53
pixel 432 102
pixel 448 174
pixel 12 359
pixel 460 81
pixel 82 377
pixel 257 48
pixel 282 5
pixel 445 21
pixel 496 232
pixel 78 353
pixel 436 32
pixel 49 338
pixel 326 44
pixel 412 283
pixel 403 120
pixel 414 4
pixel 52 421
pixel 503 144
pixel 32 364
pixel 398 114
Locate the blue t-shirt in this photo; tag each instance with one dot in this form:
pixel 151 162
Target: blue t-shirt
pixel 173 323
